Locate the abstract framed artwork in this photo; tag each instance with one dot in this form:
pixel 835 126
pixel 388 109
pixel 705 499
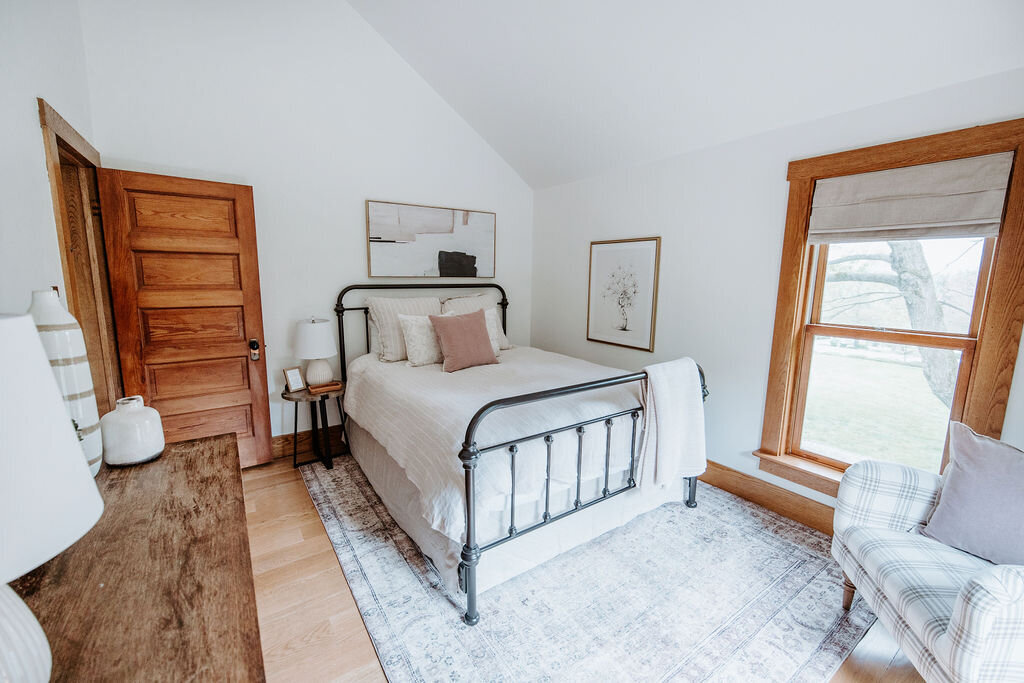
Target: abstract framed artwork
pixel 409 240
pixel 622 299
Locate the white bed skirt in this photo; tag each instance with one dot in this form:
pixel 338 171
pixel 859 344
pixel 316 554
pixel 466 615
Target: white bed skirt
pixel 499 564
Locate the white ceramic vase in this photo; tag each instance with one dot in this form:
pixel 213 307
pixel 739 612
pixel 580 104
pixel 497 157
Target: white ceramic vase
pixel 132 433
pixel 65 347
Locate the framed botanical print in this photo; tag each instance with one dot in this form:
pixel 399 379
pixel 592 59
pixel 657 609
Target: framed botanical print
pixel 408 240
pixel 622 301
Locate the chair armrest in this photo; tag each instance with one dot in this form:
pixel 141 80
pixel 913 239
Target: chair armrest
pixel 986 631
pixel 886 495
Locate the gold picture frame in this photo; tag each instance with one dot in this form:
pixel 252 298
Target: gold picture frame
pixel 622 292
pixel 473 255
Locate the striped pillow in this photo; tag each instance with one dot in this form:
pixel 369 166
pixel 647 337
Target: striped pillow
pixel 460 305
pixel 384 313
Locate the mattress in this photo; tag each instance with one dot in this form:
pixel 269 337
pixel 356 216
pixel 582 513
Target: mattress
pixel 407 425
pixel 420 415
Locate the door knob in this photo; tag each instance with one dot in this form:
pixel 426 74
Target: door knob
pixel 254 349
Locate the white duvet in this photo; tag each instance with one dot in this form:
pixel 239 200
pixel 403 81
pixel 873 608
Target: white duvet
pixel 420 415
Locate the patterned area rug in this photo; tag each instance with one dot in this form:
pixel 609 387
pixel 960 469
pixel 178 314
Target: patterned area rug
pixel 728 591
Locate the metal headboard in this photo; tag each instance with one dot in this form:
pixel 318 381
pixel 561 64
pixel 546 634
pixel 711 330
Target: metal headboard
pixel 340 308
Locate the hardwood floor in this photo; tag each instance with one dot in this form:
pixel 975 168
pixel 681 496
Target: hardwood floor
pixel 877 658
pixel 310 626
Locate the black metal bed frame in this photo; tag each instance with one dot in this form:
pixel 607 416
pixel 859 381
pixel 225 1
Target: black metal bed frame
pixel 471 452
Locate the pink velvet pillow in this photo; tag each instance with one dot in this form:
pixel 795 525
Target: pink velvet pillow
pixel 463 340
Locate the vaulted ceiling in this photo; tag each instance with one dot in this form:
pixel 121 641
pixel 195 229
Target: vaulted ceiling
pixel 566 89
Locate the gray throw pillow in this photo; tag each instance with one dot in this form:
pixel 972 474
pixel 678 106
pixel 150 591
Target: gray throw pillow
pixel 981 506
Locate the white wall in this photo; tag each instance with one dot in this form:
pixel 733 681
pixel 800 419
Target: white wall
pixel 313 109
pixel 721 214
pixel 42 56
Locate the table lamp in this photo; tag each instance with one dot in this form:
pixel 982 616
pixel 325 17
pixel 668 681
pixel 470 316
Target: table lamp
pixel 314 342
pixel 48 498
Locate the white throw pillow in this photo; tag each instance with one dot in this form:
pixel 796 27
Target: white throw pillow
pixel 421 344
pixel 468 304
pixel 420 340
pixel 493 328
pixel 384 313
pixel 373 343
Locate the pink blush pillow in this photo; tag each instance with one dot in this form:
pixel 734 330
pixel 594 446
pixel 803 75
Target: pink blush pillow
pixel 463 340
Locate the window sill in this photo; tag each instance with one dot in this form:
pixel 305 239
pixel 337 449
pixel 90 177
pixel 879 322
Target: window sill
pixel 801 471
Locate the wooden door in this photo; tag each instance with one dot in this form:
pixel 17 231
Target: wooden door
pixel 88 294
pixel 186 292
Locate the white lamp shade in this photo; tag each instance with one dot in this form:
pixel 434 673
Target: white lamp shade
pixel 314 339
pixel 48 498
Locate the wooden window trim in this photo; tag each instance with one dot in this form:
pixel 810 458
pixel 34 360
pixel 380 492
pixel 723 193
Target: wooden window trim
pixel 989 363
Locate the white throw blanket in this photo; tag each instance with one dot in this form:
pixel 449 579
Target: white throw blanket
pixel 673 436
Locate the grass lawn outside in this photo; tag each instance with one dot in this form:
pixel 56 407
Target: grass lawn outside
pixel 867 409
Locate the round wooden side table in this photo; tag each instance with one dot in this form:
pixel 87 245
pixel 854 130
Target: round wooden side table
pixel 320 432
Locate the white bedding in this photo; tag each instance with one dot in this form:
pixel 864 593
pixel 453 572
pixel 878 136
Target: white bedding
pixel 420 414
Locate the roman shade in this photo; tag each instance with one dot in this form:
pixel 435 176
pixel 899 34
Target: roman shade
pixel 959 198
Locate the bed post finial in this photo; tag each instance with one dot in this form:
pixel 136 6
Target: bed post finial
pixel 470 551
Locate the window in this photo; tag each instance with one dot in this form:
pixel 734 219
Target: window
pixel 901 294
pixel 891 333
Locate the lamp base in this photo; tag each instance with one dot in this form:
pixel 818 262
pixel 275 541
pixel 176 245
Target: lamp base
pixel 318 372
pixel 24 650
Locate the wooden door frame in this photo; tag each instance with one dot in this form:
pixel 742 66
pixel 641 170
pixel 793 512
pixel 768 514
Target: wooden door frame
pixel 58 134
pixel 61 142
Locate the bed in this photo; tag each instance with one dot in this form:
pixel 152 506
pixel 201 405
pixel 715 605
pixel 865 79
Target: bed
pixel 487 459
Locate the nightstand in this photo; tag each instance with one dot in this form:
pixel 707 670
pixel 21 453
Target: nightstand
pixel 320 432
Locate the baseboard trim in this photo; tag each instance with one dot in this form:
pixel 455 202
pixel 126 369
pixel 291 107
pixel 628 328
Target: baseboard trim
pixel 281 445
pixel 788 504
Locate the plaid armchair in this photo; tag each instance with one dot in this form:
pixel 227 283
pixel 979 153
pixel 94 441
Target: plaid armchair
pixel 957 617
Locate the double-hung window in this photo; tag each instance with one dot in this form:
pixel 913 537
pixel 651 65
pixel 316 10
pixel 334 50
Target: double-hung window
pixel 888 347
pixel 890 287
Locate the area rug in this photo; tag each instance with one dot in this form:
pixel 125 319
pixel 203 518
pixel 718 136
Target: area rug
pixel 727 591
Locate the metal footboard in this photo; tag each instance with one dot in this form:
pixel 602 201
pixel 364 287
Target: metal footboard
pixel 471 454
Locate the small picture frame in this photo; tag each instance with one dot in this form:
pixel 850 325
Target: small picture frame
pixel 293 379
pixel 622 303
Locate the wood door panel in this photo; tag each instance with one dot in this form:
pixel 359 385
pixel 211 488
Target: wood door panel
pixel 173 380
pixel 185 278
pixel 197 425
pixel 197 297
pixel 153 241
pixel 171 325
pixel 165 270
pixel 200 216
pixel 159 354
pixel 191 404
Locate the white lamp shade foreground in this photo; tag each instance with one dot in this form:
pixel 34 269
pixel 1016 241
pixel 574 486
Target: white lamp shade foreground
pixel 314 341
pixel 48 499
